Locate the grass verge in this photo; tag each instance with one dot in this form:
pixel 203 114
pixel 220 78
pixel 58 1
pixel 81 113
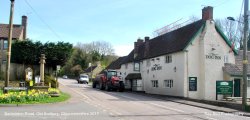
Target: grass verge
pixel 63 97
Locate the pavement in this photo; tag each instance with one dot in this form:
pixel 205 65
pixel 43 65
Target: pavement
pixel 201 104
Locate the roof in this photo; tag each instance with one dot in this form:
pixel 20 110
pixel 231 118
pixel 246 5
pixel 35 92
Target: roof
pixel 237 68
pixel 117 63
pixel 132 76
pixel 171 42
pixel 16 34
pixel 232 69
pixel 90 69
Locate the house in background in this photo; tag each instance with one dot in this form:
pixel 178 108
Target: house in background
pixel 92 71
pixel 234 72
pixel 185 62
pixel 19 33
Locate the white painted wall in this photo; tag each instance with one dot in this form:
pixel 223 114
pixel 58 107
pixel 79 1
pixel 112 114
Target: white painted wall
pixel 166 73
pixel 213 67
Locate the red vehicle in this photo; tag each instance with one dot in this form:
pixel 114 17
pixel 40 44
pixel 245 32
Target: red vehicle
pixel 108 81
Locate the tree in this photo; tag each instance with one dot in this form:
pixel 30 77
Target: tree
pixel 77 69
pixel 233 30
pixel 28 52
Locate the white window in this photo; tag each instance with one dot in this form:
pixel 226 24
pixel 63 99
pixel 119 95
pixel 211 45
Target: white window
pixel 226 59
pixel 168 83
pixel 168 59
pixel 5 44
pixel 155 83
pixel 4 62
pixel 248 81
pixel 136 66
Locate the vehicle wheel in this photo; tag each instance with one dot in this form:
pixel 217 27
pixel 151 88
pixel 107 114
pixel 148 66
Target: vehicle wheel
pixel 107 88
pixel 94 85
pixel 101 87
pixel 122 87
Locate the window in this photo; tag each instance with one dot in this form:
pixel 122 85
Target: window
pixel 248 81
pixel 126 66
pixel 136 66
pixel 168 59
pixel 5 44
pixel 226 59
pixel 168 83
pixel 155 83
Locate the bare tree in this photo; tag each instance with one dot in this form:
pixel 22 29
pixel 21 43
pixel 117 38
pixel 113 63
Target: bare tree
pixel 232 29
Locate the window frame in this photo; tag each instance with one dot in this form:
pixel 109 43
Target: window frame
pixel 168 83
pixel 168 59
pixel 155 83
pixel 5 47
pixel 136 68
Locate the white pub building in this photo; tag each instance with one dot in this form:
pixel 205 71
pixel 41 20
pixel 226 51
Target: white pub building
pixel 185 62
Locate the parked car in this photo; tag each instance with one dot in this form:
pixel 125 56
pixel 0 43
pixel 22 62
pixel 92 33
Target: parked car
pixel 83 78
pixel 65 77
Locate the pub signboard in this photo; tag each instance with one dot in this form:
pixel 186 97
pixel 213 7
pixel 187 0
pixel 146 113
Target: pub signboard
pixel 192 83
pixel 224 88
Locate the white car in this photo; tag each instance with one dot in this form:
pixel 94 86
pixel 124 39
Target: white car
pixel 83 78
pixel 65 77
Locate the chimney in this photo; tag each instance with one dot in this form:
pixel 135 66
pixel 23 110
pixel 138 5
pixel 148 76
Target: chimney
pixel 136 46
pixel 146 51
pixel 207 13
pixel 24 24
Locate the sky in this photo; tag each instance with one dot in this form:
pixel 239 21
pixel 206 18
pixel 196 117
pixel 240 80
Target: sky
pixel 119 22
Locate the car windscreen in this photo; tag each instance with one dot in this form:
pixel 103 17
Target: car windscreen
pixel 83 76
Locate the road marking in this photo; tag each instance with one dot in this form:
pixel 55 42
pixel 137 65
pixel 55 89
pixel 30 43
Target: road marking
pixel 211 118
pixel 76 91
pixel 177 110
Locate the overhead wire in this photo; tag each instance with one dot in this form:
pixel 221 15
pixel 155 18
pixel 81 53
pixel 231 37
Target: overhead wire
pixel 47 25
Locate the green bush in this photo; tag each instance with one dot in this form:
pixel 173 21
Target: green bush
pixel 52 80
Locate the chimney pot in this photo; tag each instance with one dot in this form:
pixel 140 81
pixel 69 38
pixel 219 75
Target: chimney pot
pixel 147 38
pixel 24 24
pixel 207 13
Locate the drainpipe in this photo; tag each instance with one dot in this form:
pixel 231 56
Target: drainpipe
pixel 187 73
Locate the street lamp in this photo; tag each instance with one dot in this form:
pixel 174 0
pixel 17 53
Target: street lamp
pixel 245 57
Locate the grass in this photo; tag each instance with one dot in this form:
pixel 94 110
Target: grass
pixel 63 97
pixel 1 92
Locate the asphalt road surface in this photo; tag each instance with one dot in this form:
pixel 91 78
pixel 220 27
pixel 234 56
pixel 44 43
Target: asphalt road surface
pixel 87 103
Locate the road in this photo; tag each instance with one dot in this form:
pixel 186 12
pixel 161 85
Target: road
pixel 93 104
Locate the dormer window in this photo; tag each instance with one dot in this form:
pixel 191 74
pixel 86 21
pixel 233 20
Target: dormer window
pixel 136 66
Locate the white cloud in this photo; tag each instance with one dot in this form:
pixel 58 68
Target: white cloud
pixel 123 50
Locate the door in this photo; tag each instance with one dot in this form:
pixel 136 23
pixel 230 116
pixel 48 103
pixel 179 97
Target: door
pixel 236 87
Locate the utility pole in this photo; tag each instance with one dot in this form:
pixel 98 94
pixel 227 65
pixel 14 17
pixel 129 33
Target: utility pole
pixel 245 58
pixel 9 44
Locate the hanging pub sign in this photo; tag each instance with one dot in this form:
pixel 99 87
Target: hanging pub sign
pixel 192 83
pixel 156 67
